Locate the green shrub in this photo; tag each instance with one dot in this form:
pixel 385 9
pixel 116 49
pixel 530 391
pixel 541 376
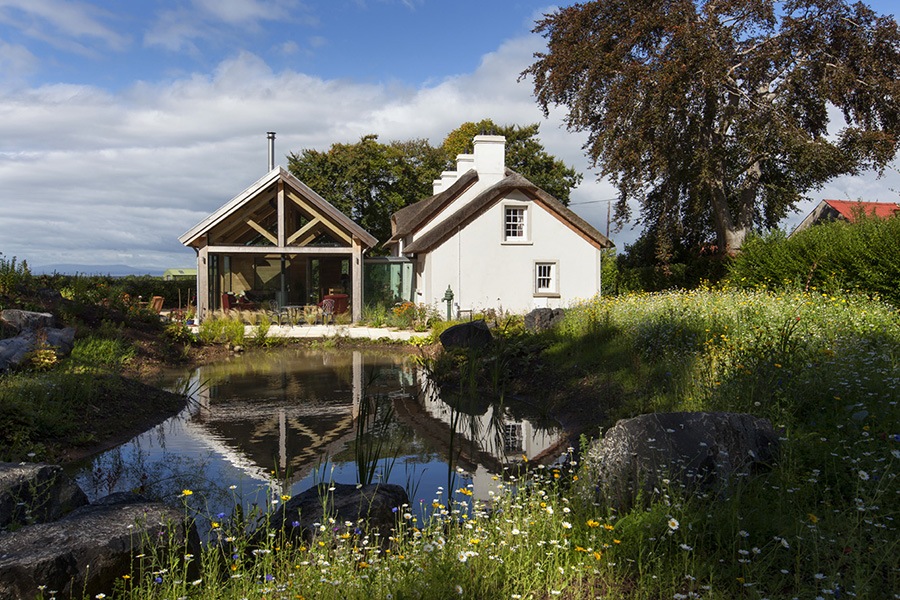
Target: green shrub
pixel 863 256
pixel 219 329
pixel 180 333
pixel 13 275
pixel 261 330
pixel 375 315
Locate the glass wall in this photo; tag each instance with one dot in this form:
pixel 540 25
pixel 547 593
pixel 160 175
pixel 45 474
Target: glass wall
pixel 388 281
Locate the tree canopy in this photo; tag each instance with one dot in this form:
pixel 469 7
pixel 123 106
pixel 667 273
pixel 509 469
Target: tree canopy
pixel 369 180
pixel 714 114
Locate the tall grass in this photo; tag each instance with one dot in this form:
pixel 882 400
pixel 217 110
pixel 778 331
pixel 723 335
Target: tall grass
pixel 220 329
pixel 825 368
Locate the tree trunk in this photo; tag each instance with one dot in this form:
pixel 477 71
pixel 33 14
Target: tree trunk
pixel 731 232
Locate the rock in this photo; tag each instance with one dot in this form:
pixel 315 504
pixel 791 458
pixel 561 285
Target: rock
pixel 88 552
pixel 24 320
pixel 376 504
pixel 474 334
pixel 36 493
pixel 61 340
pixel 693 451
pixel 14 351
pixel 542 319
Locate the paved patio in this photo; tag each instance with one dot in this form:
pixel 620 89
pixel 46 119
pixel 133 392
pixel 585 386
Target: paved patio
pixel 327 331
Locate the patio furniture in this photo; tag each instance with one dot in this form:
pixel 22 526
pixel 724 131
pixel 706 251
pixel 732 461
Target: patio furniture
pixel 341 302
pixel 311 314
pixel 293 313
pixel 156 304
pixel 328 310
pixel 231 301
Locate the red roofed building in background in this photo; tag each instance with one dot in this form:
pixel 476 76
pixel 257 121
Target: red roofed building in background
pixel 847 210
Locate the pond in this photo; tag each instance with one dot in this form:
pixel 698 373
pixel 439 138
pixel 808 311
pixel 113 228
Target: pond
pixel 266 424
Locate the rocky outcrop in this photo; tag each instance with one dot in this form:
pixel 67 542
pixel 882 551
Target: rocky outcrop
pixel 676 452
pixel 474 334
pixel 24 320
pixel 376 505
pixel 542 319
pixel 33 493
pixel 88 550
pixel 35 331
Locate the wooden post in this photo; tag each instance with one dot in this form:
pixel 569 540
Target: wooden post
pixel 202 282
pixel 356 272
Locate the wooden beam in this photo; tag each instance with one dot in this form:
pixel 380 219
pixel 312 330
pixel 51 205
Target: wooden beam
pixel 262 231
pixel 236 221
pixel 356 272
pixel 307 207
pixel 302 231
pixel 279 204
pixel 203 307
pixel 278 250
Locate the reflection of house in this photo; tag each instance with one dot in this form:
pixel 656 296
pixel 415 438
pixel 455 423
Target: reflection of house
pixel 846 210
pixel 304 413
pixel 278 242
pixel 496 240
pixel 488 437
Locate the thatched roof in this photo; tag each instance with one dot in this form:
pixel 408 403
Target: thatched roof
pixel 486 199
pixel 409 218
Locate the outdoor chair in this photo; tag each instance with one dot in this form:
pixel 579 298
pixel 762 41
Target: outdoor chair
pixel 327 310
pixel 156 304
pixel 278 314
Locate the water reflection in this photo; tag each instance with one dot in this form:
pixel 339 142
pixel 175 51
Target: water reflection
pixel 267 424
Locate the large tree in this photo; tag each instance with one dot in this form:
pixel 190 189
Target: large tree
pixel 715 114
pixel 369 180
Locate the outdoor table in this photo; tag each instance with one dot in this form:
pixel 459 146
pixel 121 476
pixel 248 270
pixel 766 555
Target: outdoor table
pixel 293 312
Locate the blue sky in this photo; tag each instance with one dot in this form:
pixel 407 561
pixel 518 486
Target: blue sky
pixel 122 124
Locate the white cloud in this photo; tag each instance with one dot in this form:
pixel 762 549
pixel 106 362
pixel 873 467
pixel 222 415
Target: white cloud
pixel 242 12
pixel 61 23
pixel 15 62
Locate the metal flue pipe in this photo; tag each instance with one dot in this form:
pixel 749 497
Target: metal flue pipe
pixel 271 136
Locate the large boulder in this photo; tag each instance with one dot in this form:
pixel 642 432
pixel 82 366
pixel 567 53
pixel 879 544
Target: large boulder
pixel 683 452
pixel 23 320
pixel 87 552
pixel 542 319
pixel 474 334
pixel 15 351
pixel 376 504
pixel 36 493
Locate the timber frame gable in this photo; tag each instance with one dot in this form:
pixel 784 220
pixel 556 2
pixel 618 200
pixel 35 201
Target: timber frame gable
pixel 280 242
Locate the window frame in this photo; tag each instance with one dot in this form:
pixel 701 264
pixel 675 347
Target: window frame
pixel 525 238
pixel 551 291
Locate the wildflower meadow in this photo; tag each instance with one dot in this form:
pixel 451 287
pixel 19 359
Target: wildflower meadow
pixel 819 524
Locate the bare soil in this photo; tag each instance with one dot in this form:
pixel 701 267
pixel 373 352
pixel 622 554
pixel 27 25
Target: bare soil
pixel 131 405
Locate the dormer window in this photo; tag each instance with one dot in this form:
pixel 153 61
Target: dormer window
pixel 515 223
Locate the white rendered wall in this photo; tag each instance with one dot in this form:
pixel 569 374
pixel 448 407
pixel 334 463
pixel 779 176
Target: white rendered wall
pixel 483 272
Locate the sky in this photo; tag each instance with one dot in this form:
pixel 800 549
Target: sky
pixel 123 124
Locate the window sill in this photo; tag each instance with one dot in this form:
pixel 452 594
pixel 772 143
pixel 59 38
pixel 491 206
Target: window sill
pixel 516 243
pixel 546 294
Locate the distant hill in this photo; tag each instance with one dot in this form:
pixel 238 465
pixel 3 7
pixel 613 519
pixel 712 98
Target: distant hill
pixel 74 269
